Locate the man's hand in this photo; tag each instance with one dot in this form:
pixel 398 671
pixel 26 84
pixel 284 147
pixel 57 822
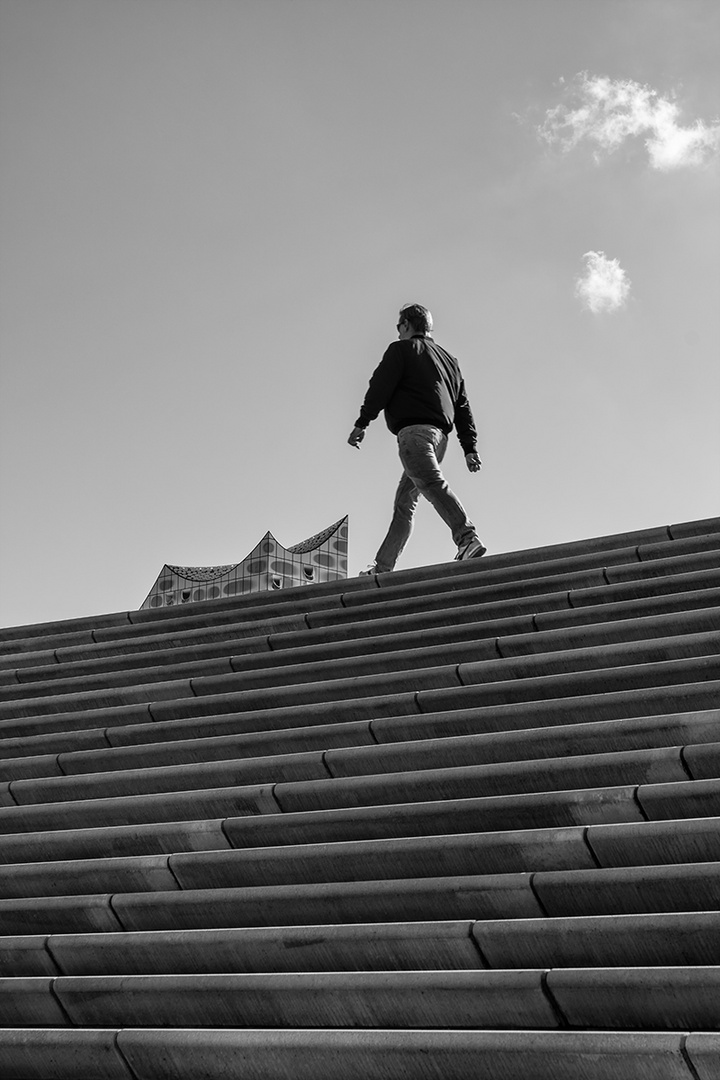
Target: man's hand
pixel 473 462
pixel 356 437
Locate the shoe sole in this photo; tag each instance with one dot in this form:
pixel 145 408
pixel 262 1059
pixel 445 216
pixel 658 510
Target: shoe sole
pixel 475 555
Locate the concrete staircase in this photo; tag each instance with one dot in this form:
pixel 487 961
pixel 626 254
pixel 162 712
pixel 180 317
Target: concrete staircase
pixel 453 822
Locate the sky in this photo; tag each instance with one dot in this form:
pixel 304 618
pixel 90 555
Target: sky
pixel 212 210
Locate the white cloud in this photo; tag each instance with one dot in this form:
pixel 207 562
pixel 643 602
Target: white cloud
pixel 603 286
pixel 606 112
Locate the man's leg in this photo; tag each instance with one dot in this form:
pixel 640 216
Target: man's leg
pixel 406 500
pixel 422 448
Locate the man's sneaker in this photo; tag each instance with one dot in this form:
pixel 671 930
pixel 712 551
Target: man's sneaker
pixel 372 569
pixel 473 550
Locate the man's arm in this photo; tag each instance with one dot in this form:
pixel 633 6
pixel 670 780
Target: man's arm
pixel 466 431
pixel 465 423
pixel 383 382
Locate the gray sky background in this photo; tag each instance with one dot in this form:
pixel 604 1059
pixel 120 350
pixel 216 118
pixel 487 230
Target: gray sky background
pixel 211 211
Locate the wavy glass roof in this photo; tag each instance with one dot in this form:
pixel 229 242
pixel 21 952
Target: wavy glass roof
pixel 322 557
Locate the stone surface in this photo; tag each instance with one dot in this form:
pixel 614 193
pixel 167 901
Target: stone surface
pixel 453 822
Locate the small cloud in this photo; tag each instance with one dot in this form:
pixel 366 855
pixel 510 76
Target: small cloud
pixel 606 112
pixel 603 286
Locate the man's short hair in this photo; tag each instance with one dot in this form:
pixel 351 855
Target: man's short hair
pixel 418 316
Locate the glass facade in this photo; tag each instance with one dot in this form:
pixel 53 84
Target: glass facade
pixel 269 565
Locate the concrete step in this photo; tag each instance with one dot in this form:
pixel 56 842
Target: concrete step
pixel 451 855
pixel 194 805
pixel 580 806
pixel 646 999
pixel 464 795
pixel 357 860
pixel 664 765
pixel 646 770
pixel 475 640
pixel 62 1054
pixel 25 799
pixel 307 1054
pixel 150 781
pixel 184 751
pixel 678 939
pixel 454 855
pixel 395 674
pixel 630 599
pixel 653 560
pixel 252 608
pixel 616 999
pixel 583 588
pixel 639 597
pixel 337 764
pixel 679 887
pixel 599 585
pixel 428 999
pixel 546 809
pixel 370 947
pixel 148 838
pixel 394 718
pixel 372 746
pixel 698 551
pixel 604 736
pixel 626 890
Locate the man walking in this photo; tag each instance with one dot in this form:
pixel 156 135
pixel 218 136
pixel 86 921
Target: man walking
pixel 421 390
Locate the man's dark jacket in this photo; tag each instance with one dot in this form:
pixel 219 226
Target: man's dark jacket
pixel 418 382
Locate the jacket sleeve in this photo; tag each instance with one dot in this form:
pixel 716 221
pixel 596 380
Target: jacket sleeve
pixel 383 382
pixel 464 422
